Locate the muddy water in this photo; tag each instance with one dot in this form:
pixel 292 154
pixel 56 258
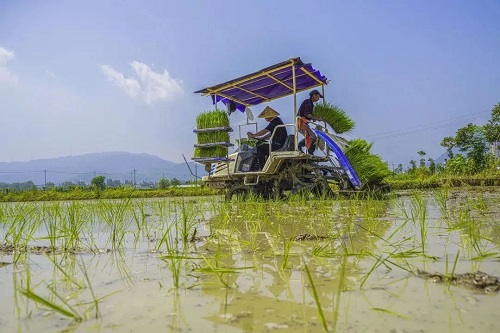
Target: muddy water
pixel 244 269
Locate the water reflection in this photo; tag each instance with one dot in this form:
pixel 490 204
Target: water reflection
pixel 244 268
pixel 276 292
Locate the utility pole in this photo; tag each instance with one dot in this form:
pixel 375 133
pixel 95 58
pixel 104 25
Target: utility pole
pixel 134 176
pixel 45 176
pixel 196 174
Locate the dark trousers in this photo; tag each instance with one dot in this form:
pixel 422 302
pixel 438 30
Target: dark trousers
pixel 263 153
pixel 311 149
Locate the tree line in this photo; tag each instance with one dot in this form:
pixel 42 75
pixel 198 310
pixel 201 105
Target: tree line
pixel 98 182
pixel 478 149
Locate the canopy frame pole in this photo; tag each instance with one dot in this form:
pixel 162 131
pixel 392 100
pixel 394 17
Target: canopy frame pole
pixel 294 83
pixel 251 92
pixel 230 98
pixel 326 125
pixel 303 69
pixel 279 81
pixel 224 86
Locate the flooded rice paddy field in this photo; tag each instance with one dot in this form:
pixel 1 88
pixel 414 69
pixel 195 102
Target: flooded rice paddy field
pixel 205 265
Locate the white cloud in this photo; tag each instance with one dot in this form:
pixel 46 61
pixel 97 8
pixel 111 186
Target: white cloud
pixel 148 85
pixel 6 76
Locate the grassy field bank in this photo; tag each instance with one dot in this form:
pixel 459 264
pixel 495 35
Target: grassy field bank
pixel 109 193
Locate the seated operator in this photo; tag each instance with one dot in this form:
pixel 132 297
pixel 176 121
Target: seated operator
pixel 278 139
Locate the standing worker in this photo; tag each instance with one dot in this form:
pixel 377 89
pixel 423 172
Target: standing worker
pixel 306 114
pixel 278 140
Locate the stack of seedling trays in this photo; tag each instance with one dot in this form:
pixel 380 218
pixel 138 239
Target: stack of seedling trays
pixel 212 129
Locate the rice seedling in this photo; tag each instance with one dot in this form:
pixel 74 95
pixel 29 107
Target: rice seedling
pixel 418 210
pixel 212 152
pixel 245 141
pixel 51 223
pixel 187 221
pixel 115 216
pixel 139 214
pixel 287 244
pixel 474 242
pixel 74 227
pixel 212 267
pixel 315 296
pixel 451 273
pixel 393 313
pixel 212 119
pixel 336 117
pixel 370 243
pixel 25 222
pixel 340 288
pixel 213 137
pixel 441 198
pixel 62 298
pixel 369 167
pixel 212 128
pixel 68 312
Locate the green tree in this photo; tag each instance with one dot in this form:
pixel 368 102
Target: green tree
pixel 98 182
pixel 471 140
pixel 68 185
pixel 399 169
pixel 449 143
pixel 432 165
pixel 413 164
pixel 175 182
pixel 422 159
pixel 492 128
pixel 163 183
pixel 458 165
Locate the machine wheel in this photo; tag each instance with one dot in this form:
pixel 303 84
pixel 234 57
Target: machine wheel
pixel 237 192
pixel 307 179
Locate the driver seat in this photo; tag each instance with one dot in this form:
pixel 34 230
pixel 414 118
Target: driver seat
pixel 289 144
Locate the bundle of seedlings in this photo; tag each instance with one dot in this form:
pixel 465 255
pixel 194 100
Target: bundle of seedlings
pixel 370 168
pixel 333 115
pixel 212 131
pixel 245 141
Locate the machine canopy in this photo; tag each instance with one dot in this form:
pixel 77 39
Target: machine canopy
pixel 266 84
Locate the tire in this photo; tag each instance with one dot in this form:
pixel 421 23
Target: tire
pixel 237 192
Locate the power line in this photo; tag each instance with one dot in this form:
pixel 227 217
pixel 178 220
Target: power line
pixel 430 126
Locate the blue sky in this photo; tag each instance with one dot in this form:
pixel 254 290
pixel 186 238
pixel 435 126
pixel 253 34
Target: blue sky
pixel 94 76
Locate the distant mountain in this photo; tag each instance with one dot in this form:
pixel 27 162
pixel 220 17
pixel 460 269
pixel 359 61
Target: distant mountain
pixel 112 165
pixel 444 157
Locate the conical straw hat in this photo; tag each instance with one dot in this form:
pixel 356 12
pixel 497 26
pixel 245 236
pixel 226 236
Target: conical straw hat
pixel 268 113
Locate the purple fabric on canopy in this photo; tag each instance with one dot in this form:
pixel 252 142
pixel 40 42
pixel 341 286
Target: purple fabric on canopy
pixel 262 86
